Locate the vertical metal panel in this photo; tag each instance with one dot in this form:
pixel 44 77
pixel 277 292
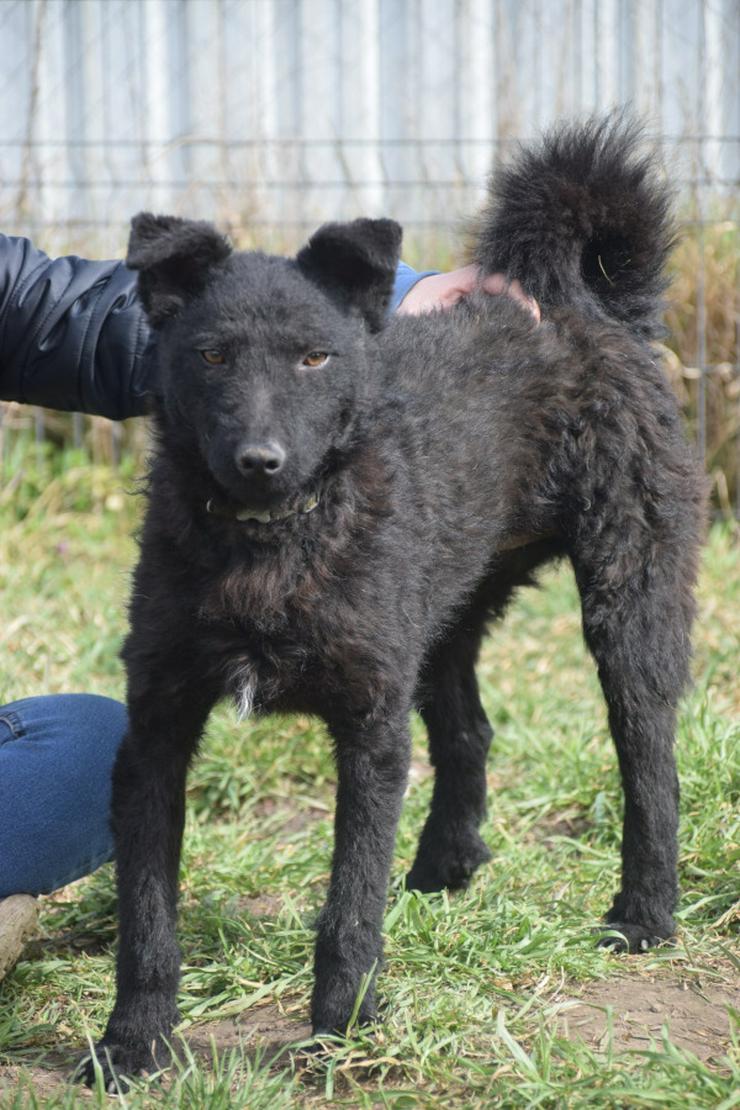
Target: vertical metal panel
pixel 607 42
pixel 317 58
pixel 17 27
pixel 47 193
pixel 475 122
pixel 396 82
pixel 161 27
pixel 701 312
pixel 359 93
pixel 643 70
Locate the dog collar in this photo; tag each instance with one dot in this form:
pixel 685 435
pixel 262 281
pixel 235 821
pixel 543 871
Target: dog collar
pixel 266 516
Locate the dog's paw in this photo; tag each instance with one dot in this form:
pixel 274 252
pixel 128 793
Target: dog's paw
pixel 318 1050
pixel 322 1043
pixel 632 938
pixel 325 1038
pixel 335 1014
pixel 338 1023
pixel 451 866
pixel 119 1062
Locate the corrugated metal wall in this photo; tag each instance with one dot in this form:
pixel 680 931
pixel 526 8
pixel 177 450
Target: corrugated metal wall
pixel 273 115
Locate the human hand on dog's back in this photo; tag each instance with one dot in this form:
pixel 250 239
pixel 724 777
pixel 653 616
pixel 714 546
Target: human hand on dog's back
pixel 444 290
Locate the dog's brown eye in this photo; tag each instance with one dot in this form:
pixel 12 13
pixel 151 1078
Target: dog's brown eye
pixel 213 358
pixel 314 359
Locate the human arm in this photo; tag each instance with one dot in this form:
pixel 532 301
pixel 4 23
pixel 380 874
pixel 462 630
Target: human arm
pixel 73 335
pixel 406 279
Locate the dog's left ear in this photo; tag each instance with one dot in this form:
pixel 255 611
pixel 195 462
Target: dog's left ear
pixel 174 258
pixel 356 264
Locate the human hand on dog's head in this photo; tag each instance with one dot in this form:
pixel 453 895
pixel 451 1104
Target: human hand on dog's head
pixel 445 290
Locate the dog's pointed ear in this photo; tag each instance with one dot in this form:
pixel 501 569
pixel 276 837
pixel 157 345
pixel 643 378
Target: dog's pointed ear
pixel 356 264
pixel 174 258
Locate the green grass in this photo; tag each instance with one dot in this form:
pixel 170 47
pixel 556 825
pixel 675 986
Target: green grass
pixel 476 985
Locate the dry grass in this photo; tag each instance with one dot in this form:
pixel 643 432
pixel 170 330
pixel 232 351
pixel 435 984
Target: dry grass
pixel 711 252
pixel 708 256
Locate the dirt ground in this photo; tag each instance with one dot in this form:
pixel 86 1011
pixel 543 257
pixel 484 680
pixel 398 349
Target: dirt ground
pixel 694 1012
pixel 693 1006
pixel 693 1009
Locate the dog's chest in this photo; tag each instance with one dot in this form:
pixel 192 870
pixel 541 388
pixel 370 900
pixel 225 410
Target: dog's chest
pixel 285 642
pixel 242 683
pixel 255 673
pixel 261 673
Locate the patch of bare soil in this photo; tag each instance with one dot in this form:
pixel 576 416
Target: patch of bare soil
pixel 260 905
pixel 693 1009
pixel 288 819
pixel 43 1081
pixel 268 1029
pixel 571 824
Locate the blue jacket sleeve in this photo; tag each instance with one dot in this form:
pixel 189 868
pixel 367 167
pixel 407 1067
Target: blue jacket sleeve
pixel 406 279
pixel 73 334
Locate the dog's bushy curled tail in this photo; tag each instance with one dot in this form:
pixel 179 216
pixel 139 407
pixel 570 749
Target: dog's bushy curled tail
pixel 584 220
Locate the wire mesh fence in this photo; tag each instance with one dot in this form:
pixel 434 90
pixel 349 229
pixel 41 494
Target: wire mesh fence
pixel 271 116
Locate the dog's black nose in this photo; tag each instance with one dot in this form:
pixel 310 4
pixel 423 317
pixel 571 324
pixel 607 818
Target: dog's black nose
pixel 260 458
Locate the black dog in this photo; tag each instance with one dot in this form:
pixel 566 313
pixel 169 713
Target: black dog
pixel 340 504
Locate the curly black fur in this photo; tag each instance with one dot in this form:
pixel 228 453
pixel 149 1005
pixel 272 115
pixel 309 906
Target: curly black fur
pixel 583 220
pixel 452 456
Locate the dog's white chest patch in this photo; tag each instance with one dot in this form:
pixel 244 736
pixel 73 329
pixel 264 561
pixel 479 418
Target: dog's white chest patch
pixel 243 687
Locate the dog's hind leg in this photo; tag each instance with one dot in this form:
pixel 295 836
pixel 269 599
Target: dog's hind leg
pixel 450 848
pixel 636 596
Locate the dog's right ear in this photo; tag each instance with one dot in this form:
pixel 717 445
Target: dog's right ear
pixel 356 264
pixel 174 258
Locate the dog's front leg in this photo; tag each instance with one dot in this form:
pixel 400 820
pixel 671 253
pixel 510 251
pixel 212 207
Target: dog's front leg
pixel 372 765
pixel 148 810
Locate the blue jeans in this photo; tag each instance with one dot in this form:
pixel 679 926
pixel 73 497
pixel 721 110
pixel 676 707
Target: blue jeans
pixel 56 759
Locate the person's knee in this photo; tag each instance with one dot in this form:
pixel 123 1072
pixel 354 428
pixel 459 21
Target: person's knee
pixel 89 720
pixel 92 707
pixel 57 771
pixel 100 714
